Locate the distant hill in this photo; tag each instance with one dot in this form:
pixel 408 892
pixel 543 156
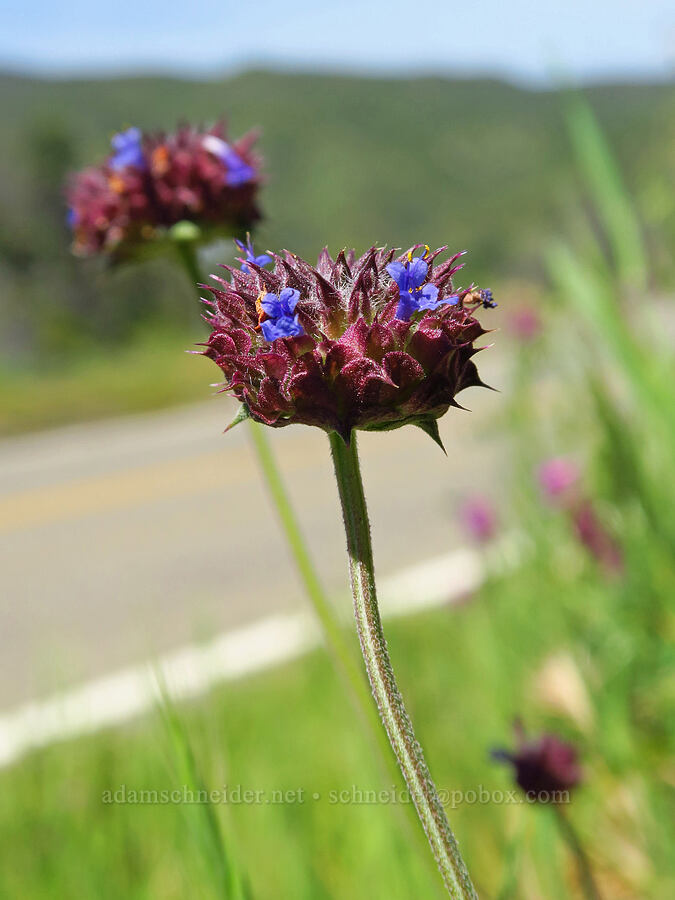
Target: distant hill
pixel 477 164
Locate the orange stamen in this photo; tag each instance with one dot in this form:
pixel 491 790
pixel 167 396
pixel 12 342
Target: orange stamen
pixel 116 184
pixel 159 161
pixel 258 306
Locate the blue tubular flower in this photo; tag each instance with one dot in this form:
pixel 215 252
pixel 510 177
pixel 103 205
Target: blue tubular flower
pixel 238 172
pixel 413 293
pixel 486 299
pixel 71 217
pixel 128 150
pixel 280 309
pixel 247 249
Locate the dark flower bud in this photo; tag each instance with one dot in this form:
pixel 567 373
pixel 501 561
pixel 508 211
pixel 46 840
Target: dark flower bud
pixel 546 768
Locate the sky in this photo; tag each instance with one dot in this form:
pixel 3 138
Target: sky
pixel 522 40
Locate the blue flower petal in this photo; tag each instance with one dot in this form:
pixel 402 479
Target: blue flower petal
pixel 248 250
pixel 269 330
pixel 272 306
pixel 238 172
pixel 399 274
pixel 407 305
pixel 280 328
pixel 288 299
pixel 417 272
pixel 128 150
pixel 428 297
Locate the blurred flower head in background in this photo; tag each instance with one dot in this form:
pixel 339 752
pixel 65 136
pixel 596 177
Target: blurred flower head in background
pixel 596 538
pixel 545 767
pixel 525 323
pixel 559 480
pixel 557 477
pixel 374 342
pixel 151 182
pixel 479 518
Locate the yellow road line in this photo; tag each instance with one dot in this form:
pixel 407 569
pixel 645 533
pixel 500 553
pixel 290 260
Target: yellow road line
pixel 117 490
pixel 155 481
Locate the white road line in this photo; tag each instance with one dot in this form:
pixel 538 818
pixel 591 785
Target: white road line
pixel 190 671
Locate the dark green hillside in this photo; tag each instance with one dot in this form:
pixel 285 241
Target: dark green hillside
pixel 477 164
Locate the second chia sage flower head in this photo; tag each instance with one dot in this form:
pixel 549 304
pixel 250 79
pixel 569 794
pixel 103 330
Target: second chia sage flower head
pixel 151 182
pixel 373 343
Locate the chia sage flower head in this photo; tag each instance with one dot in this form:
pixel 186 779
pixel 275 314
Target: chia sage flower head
pixel 151 182
pixel 371 343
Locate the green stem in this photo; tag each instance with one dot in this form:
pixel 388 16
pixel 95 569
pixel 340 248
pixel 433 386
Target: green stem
pixel 187 254
pixel 324 610
pixel 389 701
pixel 577 848
pixel 338 647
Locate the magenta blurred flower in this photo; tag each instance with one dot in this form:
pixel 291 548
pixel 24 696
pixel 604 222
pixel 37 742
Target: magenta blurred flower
pixel 151 182
pixel 337 346
pixel 479 518
pixel 558 479
pixel 596 538
pixel 556 476
pixel 525 323
pixel 546 768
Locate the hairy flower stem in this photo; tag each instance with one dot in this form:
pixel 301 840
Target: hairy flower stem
pixel 573 841
pixel 343 657
pixel 381 675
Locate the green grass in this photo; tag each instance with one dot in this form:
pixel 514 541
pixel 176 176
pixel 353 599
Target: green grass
pixel 466 672
pixel 152 372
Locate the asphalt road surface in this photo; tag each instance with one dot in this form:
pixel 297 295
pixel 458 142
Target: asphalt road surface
pixel 125 538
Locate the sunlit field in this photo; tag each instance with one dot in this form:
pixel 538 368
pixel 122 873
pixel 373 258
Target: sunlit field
pixel 587 659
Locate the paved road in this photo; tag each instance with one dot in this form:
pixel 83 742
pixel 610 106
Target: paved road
pixel 129 537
